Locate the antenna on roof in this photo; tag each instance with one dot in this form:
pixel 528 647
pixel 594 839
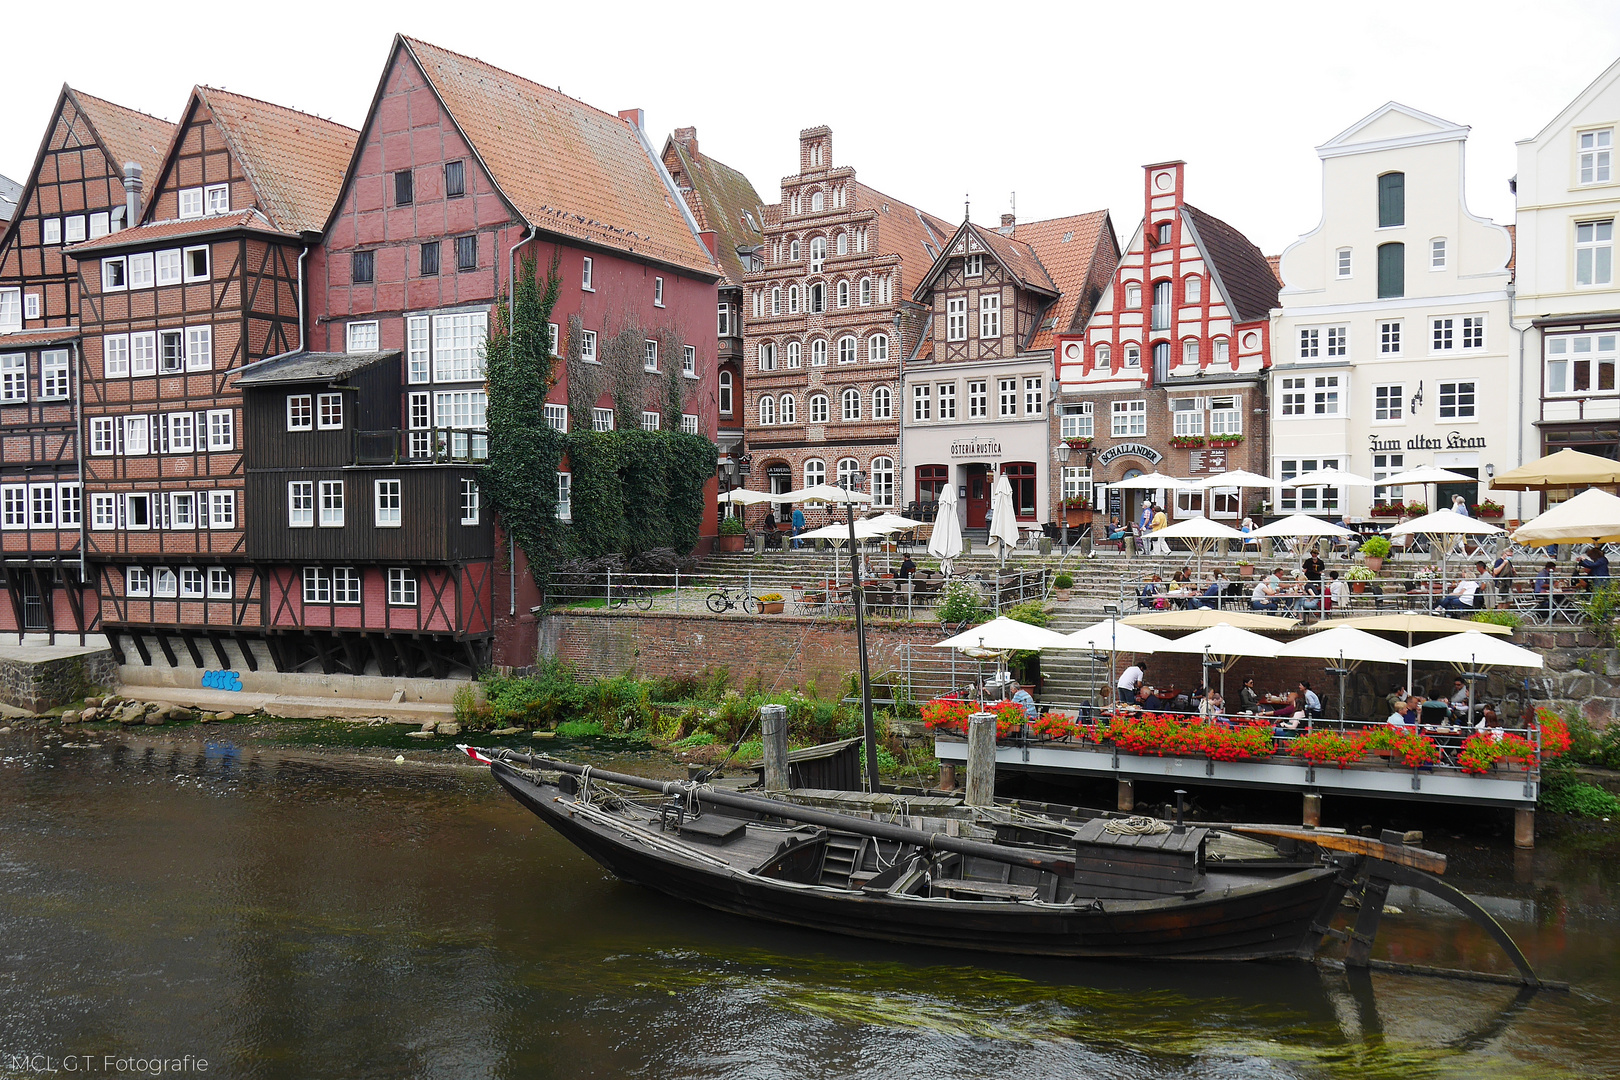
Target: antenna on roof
pixel 1015 204
pixel 967 206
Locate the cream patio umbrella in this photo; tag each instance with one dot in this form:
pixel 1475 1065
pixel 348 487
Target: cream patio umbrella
pixel 1351 648
pixel 1199 533
pixel 838 534
pixel 1004 634
pixel 1234 478
pixel 1560 473
pixel 1592 516
pixel 1423 476
pixel 1303 527
pixel 748 497
pixel 945 543
pixel 1223 645
pixel 1444 528
pixel 823 493
pixel 1409 623
pixel 1470 650
pixel 1331 478
pixel 1113 635
pixel 1199 618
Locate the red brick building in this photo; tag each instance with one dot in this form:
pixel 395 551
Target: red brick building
pixel 172 311
pixel 462 170
pixel 827 325
pixel 1168 374
pixel 74 192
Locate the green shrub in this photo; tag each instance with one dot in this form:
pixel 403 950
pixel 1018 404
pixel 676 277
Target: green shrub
pixel 1499 618
pixel 1561 793
pixel 580 729
pixel 544 699
pixel 959 602
pixel 730 526
pixel 1375 546
pixel 1600 609
pixel 696 739
pixel 1063 581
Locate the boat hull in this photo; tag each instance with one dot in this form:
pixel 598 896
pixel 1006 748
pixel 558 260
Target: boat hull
pixel 1266 918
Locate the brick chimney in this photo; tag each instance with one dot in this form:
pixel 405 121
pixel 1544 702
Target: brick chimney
pixel 687 137
pixel 635 116
pixel 1009 225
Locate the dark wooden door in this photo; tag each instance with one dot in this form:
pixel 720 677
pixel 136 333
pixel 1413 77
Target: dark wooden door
pixel 978 496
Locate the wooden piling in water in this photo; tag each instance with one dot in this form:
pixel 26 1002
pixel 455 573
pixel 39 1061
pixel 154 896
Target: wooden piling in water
pixel 1524 827
pixel 981 760
pixel 773 728
pixel 1125 796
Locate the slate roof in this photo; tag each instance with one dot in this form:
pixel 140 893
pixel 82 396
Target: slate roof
pixel 10 192
pixel 718 197
pixel 127 134
pixel 306 367
pixel 903 230
pixel 294 161
pixel 177 229
pixel 1067 248
pixel 1251 285
pixel 563 165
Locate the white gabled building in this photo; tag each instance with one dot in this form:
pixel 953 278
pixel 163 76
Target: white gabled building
pixel 1568 303
pixel 1392 344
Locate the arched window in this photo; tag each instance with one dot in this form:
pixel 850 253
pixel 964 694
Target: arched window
pixel 1192 288
pixel 852 404
pixel 818 202
pixel 767 356
pixel 794 351
pixel 776 300
pixel 1100 356
pixel 843 294
pixel 843 243
pixel 846 349
pixel 815 472
pixel 793 299
pixel 877 348
pixel 847 468
pixel 1161 305
pixel 882 481
pixel 725 392
pixel 818 253
pixel 1391 200
pixel 795 202
pixel 767 411
pixel 885 290
pixel 793 251
pixel 818 297
pixel 818 408
pixel 759 303
pixel 866 291
pixel 818 352
pixel 1391 271
pixel 789 409
pixel 1133 295
pixel 882 403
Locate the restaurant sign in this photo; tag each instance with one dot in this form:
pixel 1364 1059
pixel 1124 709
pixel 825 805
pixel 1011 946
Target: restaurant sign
pixel 1454 440
pixel 976 448
pixel 1134 449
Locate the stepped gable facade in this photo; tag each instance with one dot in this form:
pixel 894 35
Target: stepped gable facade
pixel 732 219
pixel 977 399
pixel 172 311
pixel 828 321
pixel 461 172
pixel 75 191
pixel 1168 373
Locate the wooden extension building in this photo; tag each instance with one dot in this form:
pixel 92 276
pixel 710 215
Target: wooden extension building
pixel 75 192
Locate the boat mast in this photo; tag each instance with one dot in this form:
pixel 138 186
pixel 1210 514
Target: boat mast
pixel 857 592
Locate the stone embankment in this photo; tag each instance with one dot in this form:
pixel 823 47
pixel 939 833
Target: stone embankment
pixel 114 709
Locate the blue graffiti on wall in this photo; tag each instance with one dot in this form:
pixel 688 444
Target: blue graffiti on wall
pixel 222 680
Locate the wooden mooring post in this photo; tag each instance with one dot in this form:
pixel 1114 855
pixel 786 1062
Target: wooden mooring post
pixel 773 729
pixel 981 760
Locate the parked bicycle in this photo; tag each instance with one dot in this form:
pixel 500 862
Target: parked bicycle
pixel 729 597
pixel 640 596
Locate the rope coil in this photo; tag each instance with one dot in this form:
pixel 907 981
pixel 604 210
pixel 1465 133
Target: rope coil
pixel 1138 825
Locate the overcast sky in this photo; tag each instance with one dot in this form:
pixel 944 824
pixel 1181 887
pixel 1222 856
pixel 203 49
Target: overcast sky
pixel 1061 103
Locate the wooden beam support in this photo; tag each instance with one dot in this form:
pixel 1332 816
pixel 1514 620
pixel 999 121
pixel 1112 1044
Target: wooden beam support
pixel 242 642
pixel 407 664
pixel 386 663
pixel 168 650
pixel 353 653
pixel 191 647
pixel 435 657
pixel 117 650
pixel 219 650
pixel 317 640
pixel 140 647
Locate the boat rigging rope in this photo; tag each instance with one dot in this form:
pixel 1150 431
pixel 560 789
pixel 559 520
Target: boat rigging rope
pixel 1136 826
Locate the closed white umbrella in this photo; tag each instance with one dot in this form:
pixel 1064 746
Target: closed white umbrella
pixel 945 543
pixel 1003 518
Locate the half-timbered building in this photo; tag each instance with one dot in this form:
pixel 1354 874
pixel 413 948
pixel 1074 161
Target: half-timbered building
pixel 977 400
pixel 732 219
pixel 463 171
pixel 1169 372
pixel 172 311
pixel 829 320
pixel 75 191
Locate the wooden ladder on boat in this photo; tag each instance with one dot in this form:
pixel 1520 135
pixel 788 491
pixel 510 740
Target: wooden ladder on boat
pixel 842 858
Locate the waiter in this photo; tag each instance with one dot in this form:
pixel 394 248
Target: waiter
pixel 1129 683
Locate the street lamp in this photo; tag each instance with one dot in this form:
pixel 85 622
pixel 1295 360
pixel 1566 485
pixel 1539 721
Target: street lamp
pixel 852 481
pixel 1062 451
pixel 728 470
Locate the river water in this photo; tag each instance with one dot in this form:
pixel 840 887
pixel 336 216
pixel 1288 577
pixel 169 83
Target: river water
pixel 284 912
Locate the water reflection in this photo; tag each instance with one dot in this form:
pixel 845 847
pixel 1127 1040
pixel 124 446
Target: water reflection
pixel 288 913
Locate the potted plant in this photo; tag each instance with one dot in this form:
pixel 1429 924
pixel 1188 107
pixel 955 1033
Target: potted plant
pixel 732 534
pixel 1375 549
pixel 1359 577
pixel 1489 509
pixel 771 603
pixel 1076 512
pixel 1186 442
pixel 1388 509
pixel 1063 586
pixel 1245 568
pixel 1078 442
pixel 1225 440
pixel 1416 509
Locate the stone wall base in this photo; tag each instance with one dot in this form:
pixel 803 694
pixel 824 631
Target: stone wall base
pixel 41 677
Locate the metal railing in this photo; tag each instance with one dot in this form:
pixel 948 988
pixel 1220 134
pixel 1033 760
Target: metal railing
pixel 421 446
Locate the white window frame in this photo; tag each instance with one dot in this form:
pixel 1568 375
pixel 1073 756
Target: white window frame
pixel 849 404
pixel 103 436
pixel 221 583
pixel 11 310
pixel 922 403
pixel 1128 419
pixel 187 262
pixel 767 410
pixel 387 503
pixel 127 514
pixel 557 417
pixel 1387 413
pixel 565 496
pixel 795 354
pixel 14 377
pixel 222 509
pixel 300 412
pixel 1594 257
pixel 73 228
pixel 973 266
pixel 945 392
pixel 192 585
pixel 50 231
pixel 171 351
pixel 1007 397
pixel 587 346
pixel 1437 253
pixel 329 411
pixel 689 361
pixel 137 581
pixel 114 274
pixel 689 423
pixel 848 349
pixel 403 588
pixel 1225 416
pixel 69 505
pixel 989 317
pixel 221 429
pixel 585 274
pixel 815 472
pixel 819 408
pixel 978 394
pixel 470 507
pixel 882 481
pixel 181 510
pixel 360 336
pixel 170 267
pixel 42 506
pixel 300 504
pixel 601 419
pixel 877 348
pixel 658 292
pixel 458 346
pixel 651 420
pixel 190 203
pixel 882 403
pixel 1187 416
pixel 649 359
pixel 1076 420
pixel 1453 399
pixel 1327 396
pixel 317 585
pixel 330 506
pixel 31 305
pixel 1034 395
pixel 1564 352
pixel 137 435
pixel 1390 332
pixel 179 433
pixel 1594 162
pixel 199 348
pixel 103 512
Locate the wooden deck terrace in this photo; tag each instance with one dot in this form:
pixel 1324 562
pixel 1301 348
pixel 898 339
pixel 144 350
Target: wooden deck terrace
pixel 1516 789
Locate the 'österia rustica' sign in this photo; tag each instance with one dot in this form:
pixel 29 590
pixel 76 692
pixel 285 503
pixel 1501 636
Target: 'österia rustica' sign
pixel 1141 450
pixel 976 448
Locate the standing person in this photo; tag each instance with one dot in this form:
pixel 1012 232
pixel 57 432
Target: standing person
pixel 1313 567
pixel 1502 575
pixel 1147 515
pixel 1487 585
pixel 773 539
pixel 1160 547
pixel 798 527
pixel 1459 506
pixel 1129 682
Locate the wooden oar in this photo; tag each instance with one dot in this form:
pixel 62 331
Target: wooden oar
pixel 1417 858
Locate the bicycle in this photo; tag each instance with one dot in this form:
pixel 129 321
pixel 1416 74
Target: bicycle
pixel 640 596
pixel 725 599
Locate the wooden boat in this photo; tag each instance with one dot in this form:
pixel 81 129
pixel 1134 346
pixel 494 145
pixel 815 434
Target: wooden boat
pixel 1047 889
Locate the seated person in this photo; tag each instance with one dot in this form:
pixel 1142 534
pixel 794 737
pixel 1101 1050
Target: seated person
pixel 1248 697
pixel 1304 598
pixel 1414 708
pixel 1397 718
pixel 1397 699
pixel 1490 723
pixel 1150 701
pixel 1460 600
pixel 1152 592
pixel 1459 697
pixel 1182 576
pixel 1211 596
pixel 1116 530
pixel 1596 565
pixel 1313 704
pixel 1263 596
pixel 1289 706
pixel 1021 697
pixel 1210 703
pixel 1543 586
pixel 1338 592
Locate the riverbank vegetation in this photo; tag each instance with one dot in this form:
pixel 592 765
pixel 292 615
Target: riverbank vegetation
pixel 1562 789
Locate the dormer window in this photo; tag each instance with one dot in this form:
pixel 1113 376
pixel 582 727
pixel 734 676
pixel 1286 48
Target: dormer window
pixel 217 198
pixel 973 266
pixel 191 202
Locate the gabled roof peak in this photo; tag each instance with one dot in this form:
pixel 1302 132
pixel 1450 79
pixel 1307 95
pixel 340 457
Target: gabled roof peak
pixel 1390 126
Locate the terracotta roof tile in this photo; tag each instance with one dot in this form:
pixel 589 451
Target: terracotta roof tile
pixel 154 231
pixel 1275 262
pixel 565 166
pixel 1248 277
pixel 905 231
pixel 1019 258
pixel 127 134
pixel 722 199
pixel 295 161
pixel 1067 248
pixel 28 339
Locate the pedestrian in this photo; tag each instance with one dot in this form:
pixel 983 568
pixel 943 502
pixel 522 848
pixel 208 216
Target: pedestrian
pixel 1129 682
pixel 1313 566
pixel 1160 521
pixel 798 527
pixel 1502 578
pixel 1459 505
